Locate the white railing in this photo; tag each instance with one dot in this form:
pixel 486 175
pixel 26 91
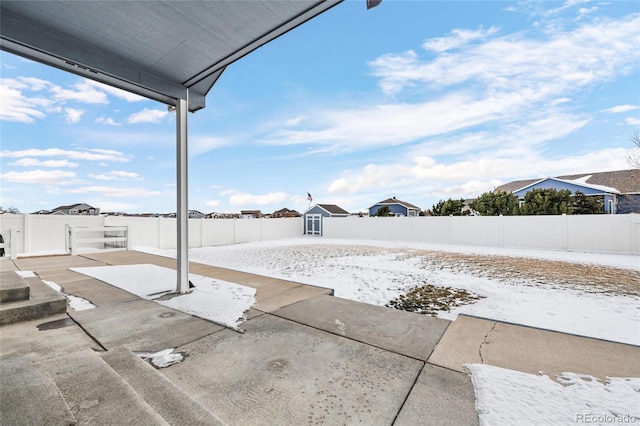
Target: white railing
pixel 96 238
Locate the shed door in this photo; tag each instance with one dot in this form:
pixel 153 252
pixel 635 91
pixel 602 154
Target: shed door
pixel 314 224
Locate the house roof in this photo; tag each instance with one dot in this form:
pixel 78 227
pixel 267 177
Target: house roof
pixel 159 49
pixel 333 209
pixel 394 200
pixel 624 181
pixel 72 206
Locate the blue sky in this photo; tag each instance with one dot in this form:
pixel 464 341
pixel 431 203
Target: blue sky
pixel 422 100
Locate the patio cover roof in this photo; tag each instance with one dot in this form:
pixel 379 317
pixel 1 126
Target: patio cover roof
pixel 157 49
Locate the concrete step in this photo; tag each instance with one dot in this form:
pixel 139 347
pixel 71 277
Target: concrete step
pixel 96 394
pixel 175 406
pixel 43 301
pixel 29 396
pixel 12 287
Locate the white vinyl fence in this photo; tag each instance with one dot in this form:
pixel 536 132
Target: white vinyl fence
pixel 57 234
pixel 598 233
pixel 46 234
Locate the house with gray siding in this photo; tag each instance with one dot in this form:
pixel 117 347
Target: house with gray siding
pixel 77 209
pixel 619 190
pixel 396 208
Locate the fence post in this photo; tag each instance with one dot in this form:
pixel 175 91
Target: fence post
pixel 128 238
pixel 14 243
pixel 72 240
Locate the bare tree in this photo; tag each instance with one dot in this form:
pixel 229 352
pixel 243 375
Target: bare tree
pixel 633 156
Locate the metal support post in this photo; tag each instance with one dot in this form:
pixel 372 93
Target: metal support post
pixel 182 214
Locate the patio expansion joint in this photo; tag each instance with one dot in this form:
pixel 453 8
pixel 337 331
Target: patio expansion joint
pixel 91 336
pixel 484 341
pixel 406 397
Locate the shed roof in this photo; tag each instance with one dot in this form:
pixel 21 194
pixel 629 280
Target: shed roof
pixel 333 209
pixel 624 181
pixel 158 49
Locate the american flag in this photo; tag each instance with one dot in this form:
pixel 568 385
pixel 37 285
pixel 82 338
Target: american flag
pixel 309 197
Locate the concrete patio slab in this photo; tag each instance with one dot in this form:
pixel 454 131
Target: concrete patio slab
pixel 402 332
pixel 440 397
pixel 532 350
pixel 283 373
pixel 41 264
pixel 142 325
pixel 131 257
pixel 48 337
pixel 96 291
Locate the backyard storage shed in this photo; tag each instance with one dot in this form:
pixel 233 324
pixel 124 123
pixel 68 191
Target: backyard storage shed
pixel 313 217
pixel 396 208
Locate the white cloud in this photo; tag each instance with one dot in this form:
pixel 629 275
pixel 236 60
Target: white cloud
pixel 633 121
pixel 469 178
pixel 34 162
pixel 563 63
pixel 73 115
pixel 107 120
pixel 511 81
pixel 60 177
pixel 119 93
pixel 18 107
pixel 622 108
pixel 83 92
pixel 568 4
pixel 115 192
pixel 212 203
pixel 295 120
pixel 147 116
pixel 201 144
pixel 458 38
pixel 114 206
pixel 91 155
pixel 116 175
pixel 237 198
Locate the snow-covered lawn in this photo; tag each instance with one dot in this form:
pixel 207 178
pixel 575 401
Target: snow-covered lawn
pixel 588 294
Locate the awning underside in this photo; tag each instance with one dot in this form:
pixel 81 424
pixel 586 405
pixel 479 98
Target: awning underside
pixel 157 49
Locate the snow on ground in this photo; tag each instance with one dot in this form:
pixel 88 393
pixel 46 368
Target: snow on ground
pixel 219 301
pixel 507 397
pixel 376 272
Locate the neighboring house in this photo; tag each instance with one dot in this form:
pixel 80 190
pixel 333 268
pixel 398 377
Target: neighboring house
pixel 285 212
pixel 77 209
pixel 250 214
pixel 619 190
pixel 396 208
pixel 195 214
pixel 42 212
pixel 313 217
